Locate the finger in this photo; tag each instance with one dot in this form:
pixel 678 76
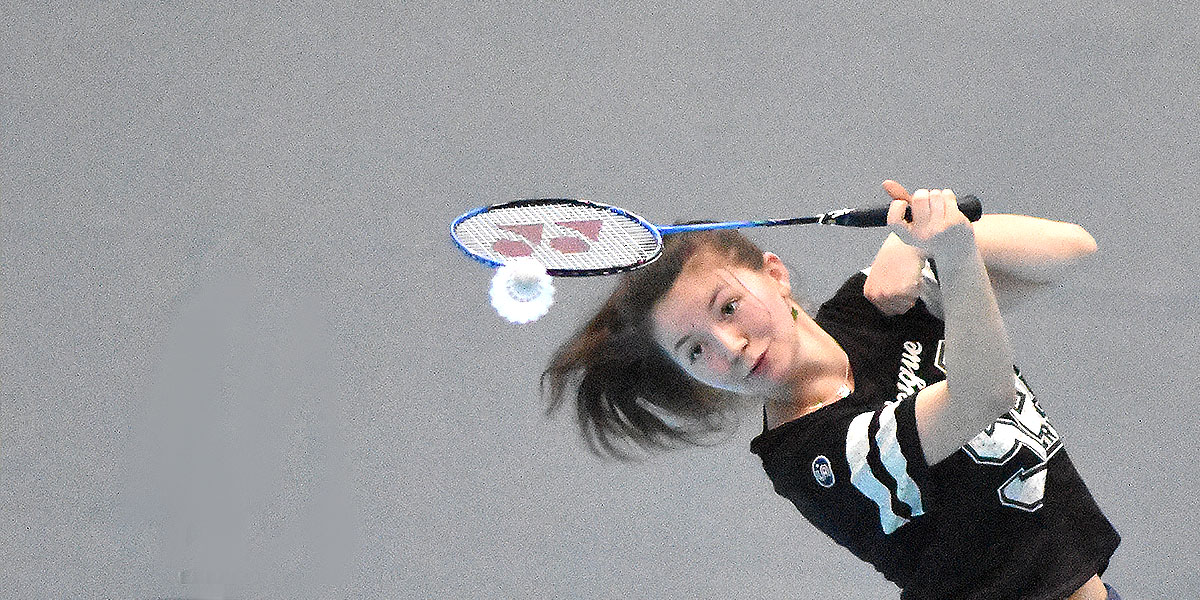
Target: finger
pixel 896 221
pixel 920 209
pixel 895 214
pixel 937 207
pixel 951 202
pixel 895 190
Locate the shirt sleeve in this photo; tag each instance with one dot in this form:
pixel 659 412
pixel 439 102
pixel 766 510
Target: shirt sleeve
pixel 886 462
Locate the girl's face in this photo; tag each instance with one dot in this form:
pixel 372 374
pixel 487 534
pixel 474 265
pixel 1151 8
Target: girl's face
pixel 731 327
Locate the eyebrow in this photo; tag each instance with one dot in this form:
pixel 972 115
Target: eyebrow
pixel 711 301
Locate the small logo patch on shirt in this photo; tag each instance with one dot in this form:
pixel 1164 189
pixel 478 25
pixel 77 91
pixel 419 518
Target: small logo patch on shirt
pixel 823 471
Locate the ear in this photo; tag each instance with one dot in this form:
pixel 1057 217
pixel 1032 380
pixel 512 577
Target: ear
pixel 774 267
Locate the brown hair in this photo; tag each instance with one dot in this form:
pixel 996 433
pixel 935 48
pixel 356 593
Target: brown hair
pixel 629 395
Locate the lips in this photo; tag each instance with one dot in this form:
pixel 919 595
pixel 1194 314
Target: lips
pixel 758 363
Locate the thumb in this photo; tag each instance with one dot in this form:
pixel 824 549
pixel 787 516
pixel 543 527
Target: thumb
pixel 895 190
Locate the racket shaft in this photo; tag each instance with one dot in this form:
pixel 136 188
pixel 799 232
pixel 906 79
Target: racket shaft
pixel 670 229
pixel 877 216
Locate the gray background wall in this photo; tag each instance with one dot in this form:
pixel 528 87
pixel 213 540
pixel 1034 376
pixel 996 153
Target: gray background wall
pixel 241 356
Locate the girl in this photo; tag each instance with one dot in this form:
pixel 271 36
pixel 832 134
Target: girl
pixel 893 419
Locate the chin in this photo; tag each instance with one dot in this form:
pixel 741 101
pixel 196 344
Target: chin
pixel 743 401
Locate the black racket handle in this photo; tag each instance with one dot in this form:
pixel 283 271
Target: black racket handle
pixel 877 216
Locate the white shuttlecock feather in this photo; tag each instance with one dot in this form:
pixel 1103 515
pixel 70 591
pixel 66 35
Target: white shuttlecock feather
pixel 522 291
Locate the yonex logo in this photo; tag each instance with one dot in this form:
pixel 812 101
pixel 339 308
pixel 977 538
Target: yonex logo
pixel 823 471
pixel 532 234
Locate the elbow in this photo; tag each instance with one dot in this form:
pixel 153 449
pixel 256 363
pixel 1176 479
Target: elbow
pixel 1002 387
pixel 1000 384
pixel 1082 242
pixel 1005 397
pixel 993 399
pixel 984 404
pixel 1071 247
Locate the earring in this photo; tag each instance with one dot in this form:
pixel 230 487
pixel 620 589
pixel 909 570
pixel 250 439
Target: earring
pixel 795 314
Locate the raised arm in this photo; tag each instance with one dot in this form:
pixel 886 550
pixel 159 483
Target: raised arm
pixel 1022 254
pixel 979 365
pixel 1032 249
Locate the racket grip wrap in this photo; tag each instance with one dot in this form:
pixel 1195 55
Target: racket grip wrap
pixel 876 216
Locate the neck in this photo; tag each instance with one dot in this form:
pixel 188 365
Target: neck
pixel 831 384
pixel 824 379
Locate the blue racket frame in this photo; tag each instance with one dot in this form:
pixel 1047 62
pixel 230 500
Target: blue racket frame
pixel 875 216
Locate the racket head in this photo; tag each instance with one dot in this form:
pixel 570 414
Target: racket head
pixel 570 237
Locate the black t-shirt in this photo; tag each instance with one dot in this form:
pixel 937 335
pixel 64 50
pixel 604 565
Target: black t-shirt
pixel 1007 516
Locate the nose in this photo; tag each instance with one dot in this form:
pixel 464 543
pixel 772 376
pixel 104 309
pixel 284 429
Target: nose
pixel 732 342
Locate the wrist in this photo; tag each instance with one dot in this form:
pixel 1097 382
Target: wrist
pixel 953 247
pixel 893 246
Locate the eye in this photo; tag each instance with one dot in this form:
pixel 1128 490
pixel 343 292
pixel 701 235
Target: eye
pixel 694 354
pixel 729 308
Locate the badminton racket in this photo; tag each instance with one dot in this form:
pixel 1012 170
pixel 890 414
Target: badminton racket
pixel 579 238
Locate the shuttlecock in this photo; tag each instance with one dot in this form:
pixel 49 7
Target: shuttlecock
pixel 521 291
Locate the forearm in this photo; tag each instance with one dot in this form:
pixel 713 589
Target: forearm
pixel 978 352
pixel 978 355
pixel 1031 248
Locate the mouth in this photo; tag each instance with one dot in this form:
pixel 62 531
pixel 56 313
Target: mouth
pixel 758 363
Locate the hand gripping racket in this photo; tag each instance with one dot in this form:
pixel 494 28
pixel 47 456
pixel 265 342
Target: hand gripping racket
pixel 579 238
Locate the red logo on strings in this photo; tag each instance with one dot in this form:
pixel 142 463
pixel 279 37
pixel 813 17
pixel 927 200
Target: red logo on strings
pixel 532 234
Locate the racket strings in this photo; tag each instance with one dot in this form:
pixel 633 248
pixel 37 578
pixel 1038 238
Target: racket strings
pixel 562 235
